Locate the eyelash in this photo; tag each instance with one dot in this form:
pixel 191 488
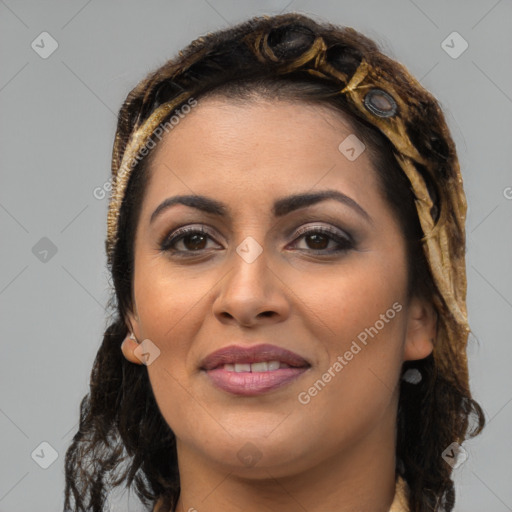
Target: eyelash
pixel 345 243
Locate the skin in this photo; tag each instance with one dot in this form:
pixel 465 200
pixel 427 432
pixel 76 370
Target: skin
pixel 336 452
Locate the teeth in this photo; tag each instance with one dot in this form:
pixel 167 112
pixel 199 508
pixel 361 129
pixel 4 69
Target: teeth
pixel 274 365
pixel 259 367
pixel 263 366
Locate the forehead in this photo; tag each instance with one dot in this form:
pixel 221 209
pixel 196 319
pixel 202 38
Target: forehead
pixel 217 122
pixel 260 144
pixel 250 157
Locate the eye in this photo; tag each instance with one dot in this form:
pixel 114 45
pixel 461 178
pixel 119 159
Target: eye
pixel 192 239
pixel 319 237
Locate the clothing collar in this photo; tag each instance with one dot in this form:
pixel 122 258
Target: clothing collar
pixel 400 502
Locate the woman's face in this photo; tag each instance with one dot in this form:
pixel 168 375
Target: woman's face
pixel 323 279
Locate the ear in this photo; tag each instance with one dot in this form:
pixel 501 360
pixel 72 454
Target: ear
pixel 421 329
pixel 128 348
pixel 129 345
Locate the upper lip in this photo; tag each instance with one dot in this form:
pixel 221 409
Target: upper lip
pixel 257 353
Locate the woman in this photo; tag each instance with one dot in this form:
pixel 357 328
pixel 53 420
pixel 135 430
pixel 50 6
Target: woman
pixel 286 241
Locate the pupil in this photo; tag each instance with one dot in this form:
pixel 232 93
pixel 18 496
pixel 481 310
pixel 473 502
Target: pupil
pixel 317 239
pixel 197 239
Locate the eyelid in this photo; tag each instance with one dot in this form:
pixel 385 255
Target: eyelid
pixel 329 229
pixel 175 233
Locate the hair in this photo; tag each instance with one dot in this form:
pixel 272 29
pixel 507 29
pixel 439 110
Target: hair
pixel 122 437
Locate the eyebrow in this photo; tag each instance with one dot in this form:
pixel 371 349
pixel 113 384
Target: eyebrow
pixel 282 206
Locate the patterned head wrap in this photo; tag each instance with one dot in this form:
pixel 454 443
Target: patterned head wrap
pixel 377 88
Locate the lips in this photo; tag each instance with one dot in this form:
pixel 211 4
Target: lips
pixel 252 371
pixel 236 354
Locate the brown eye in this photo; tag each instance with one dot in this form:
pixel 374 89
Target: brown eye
pixel 191 239
pixel 196 240
pixel 317 239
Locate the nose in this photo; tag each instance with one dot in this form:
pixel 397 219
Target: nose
pixel 251 293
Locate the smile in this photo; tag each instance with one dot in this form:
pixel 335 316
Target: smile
pixel 263 366
pixel 253 370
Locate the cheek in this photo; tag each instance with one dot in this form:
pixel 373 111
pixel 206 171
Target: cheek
pixel 167 301
pixel 171 311
pixel 355 389
pixel 345 302
pixel 362 330
pixel 171 307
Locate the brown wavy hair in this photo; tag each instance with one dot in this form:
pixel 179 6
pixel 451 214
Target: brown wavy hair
pixel 122 437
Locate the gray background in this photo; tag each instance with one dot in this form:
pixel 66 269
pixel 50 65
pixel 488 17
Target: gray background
pixel 57 128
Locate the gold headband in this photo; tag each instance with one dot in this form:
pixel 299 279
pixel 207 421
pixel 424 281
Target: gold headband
pixel 378 96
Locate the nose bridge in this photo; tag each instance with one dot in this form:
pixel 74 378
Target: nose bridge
pixel 250 288
pixel 250 237
pixel 248 267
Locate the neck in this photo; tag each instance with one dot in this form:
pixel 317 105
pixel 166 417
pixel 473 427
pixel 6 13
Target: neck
pixel 360 478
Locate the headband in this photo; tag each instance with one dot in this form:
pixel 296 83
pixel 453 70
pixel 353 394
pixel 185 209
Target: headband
pixel 377 89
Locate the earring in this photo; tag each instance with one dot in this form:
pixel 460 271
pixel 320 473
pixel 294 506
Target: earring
pixel 412 376
pixel 132 336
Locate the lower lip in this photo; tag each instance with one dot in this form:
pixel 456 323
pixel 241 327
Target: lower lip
pixel 253 383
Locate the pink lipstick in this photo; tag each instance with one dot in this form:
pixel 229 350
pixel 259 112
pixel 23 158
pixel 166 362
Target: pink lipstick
pixel 254 370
